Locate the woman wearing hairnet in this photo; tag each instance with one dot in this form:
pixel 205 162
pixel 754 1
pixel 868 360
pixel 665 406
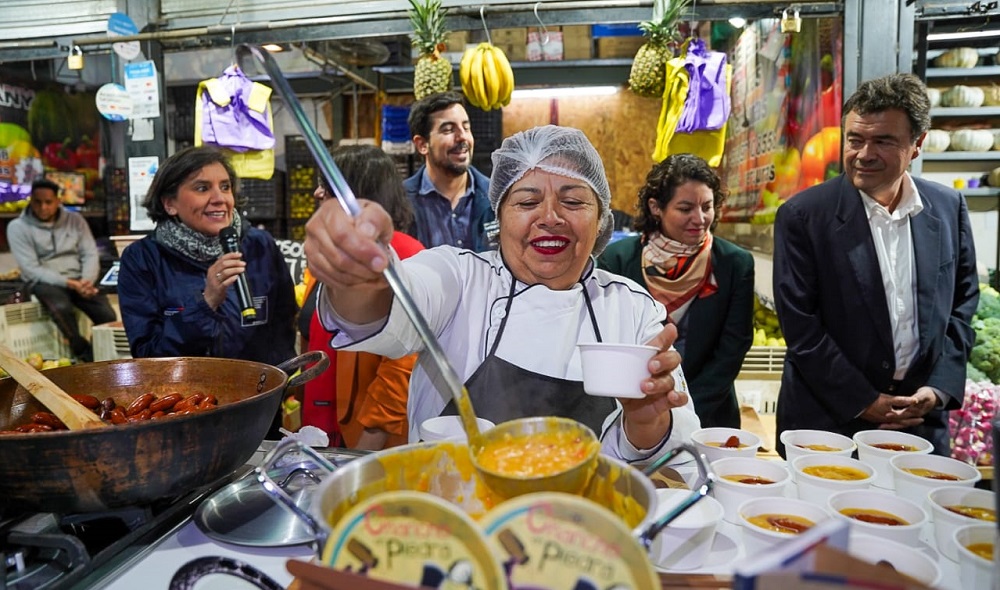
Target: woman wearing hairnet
pixel 509 320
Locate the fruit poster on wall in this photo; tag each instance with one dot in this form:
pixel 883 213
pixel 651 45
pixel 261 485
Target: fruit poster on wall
pixel 784 131
pixel 44 129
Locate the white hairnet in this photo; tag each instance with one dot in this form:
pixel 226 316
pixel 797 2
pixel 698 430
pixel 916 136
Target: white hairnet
pixel 560 150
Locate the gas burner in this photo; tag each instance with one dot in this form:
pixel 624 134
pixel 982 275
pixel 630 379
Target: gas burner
pixel 36 552
pixel 43 551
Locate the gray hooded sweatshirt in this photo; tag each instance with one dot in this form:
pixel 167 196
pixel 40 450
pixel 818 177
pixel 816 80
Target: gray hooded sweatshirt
pixel 52 252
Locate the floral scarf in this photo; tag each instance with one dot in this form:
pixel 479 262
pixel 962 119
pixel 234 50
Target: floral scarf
pixel 676 273
pixel 193 244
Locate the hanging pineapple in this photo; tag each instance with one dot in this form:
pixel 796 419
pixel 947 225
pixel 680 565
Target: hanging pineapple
pixel 649 65
pixel 432 73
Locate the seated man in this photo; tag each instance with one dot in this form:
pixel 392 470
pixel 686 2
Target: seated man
pixel 59 263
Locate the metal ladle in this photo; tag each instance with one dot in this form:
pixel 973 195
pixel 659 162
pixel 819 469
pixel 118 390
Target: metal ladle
pixel 445 378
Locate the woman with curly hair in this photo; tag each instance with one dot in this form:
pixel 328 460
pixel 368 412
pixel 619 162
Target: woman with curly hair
pixel 705 282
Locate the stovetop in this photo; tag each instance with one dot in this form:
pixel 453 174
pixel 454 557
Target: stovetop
pixel 44 551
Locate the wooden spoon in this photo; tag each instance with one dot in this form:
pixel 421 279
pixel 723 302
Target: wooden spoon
pixel 67 409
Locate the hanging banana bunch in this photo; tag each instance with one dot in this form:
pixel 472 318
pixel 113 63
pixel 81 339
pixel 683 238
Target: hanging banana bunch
pixel 486 75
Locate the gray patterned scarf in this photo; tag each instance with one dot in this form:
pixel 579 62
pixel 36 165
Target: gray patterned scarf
pixel 193 244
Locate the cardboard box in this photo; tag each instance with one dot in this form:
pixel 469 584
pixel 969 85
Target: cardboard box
pixel 577 43
pixel 456 41
pixel 513 36
pixel 514 51
pixel 618 47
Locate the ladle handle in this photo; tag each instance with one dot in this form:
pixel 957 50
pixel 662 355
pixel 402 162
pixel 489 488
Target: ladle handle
pixel 700 489
pixel 347 200
pixel 71 412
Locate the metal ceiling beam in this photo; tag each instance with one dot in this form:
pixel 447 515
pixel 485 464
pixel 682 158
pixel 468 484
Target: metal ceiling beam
pixel 395 23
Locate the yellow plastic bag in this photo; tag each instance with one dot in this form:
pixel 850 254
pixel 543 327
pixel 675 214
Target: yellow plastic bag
pixel 709 145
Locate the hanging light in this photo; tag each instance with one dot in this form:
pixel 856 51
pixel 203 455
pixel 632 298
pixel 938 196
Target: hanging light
pixel 738 22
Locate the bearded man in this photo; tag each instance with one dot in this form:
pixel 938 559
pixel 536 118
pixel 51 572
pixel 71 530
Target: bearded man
pixel 450 197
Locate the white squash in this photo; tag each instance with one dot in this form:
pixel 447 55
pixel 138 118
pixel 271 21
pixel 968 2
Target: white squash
pixel 959 57
pixel 991 95
pixel 994 177
pixel 963 96
pixel 934 95
pixel 971 140
pixel 937 140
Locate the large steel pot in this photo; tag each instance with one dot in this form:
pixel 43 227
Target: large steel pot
pixel 138 463
pixel 445 469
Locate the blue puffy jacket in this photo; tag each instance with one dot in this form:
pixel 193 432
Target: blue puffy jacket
pixel 165 313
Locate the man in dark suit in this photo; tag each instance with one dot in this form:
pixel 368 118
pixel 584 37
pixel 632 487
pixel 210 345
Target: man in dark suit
pixel 450 197
pixel 875 281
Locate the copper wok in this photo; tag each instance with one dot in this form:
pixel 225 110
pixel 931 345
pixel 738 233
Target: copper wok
pixel 137 463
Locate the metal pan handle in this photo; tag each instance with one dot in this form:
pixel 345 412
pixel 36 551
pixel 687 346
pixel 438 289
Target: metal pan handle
pixel 314 356
pixel 700 489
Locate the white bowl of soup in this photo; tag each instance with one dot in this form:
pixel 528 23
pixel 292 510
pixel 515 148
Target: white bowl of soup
pixel 739 479
pixel 917 474
pixel 720 442
pixel 766 522
pixel 902 557
pixel 819 442
pixel 976 548
pixel 878 513
pixel 954 507
pixel 876 447
pixel 817 476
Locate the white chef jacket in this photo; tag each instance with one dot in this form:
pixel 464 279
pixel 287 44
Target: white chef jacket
pixel 463 295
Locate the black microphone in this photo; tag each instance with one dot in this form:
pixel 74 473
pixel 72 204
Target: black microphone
pixel 231 243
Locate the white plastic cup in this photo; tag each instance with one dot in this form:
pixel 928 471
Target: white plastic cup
pixel 947 522
pixel 974 571
pixel 817 489
pixel 875 499
pixel 757 539
pixel 879 458
pixel 916 487
pixel 904 558
pixel 703 436
pixel 685 543
pixel 615 370
pixel 731 494
pixel 448 428
pixel 793 438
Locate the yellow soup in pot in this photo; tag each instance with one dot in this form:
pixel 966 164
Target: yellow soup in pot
pixel 984 550
pixel 535 455
pixel 838 472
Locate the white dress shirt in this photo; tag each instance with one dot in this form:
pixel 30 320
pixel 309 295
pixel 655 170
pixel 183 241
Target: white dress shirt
pixel 894 247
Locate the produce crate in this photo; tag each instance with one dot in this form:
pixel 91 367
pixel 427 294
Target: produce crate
pixel 265 199
pixel 759 380
pixel 27 327
pixel 762 362
pixel 110 342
